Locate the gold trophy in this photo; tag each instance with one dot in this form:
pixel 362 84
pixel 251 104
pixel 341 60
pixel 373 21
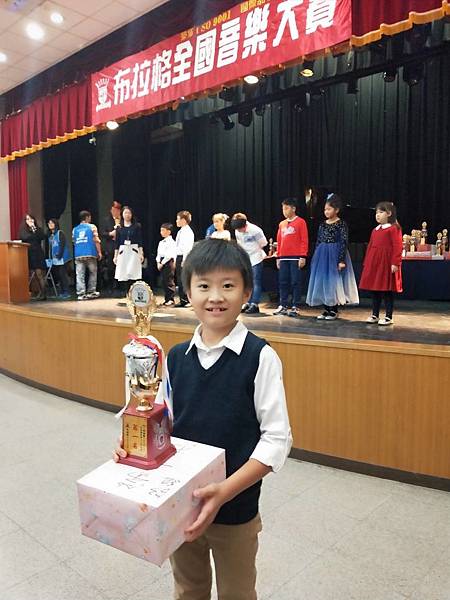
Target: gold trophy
pixel 145 425
pixel 439 244
pixel 444 240
pixel 424 234
pixel 412 241
pixel 406 240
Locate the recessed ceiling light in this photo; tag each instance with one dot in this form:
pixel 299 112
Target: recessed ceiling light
pixel 111 125
pixel 57 18
pixel 35 31
pixel 3 57
pixel 251 79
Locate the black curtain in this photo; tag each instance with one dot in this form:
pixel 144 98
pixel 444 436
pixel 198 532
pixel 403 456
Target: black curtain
pixel 55 178
pixel 387 142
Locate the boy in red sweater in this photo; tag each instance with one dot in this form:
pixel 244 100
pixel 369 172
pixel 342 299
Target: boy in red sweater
pixel 292 250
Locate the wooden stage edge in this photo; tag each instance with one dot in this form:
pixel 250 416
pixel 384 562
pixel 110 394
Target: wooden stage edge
pixel 378 408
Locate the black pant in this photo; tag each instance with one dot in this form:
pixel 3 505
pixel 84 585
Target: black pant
pixel 331 308
pixel 377 298
pixel 61 276
pixel 168 280
pixel 183 298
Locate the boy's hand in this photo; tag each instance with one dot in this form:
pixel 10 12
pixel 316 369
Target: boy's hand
pixel 341 266
pixel 119 452
pixel 213 498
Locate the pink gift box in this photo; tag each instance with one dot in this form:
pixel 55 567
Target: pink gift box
pixel 145 513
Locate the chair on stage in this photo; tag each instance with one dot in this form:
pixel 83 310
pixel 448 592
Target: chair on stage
pixel 48 279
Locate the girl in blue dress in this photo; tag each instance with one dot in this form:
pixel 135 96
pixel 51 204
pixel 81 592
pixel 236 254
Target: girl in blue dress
pixel 332 280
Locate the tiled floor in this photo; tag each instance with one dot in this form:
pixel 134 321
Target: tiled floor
pixel 328 534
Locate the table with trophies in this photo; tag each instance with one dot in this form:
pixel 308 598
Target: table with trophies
pixel 143 504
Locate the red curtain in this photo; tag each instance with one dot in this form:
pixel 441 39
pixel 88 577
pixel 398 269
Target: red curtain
pixel 47 121
pixel 18 193
pixel 368 16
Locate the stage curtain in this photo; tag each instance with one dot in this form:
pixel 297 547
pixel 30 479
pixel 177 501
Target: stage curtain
pixel 388 142
pixel 371 20
pixel 48 121
pixel 18 194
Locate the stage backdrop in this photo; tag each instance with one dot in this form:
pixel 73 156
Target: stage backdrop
pixel 389 141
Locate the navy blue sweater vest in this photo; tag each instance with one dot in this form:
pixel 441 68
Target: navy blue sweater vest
pixel 216 406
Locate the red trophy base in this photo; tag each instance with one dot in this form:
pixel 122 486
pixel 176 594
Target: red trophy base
pixel 146 437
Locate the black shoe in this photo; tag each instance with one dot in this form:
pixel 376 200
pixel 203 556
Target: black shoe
pixel 181 305
pixel 253 309
pixel 245 307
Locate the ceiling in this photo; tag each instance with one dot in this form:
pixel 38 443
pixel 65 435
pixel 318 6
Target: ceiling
pixel 85 21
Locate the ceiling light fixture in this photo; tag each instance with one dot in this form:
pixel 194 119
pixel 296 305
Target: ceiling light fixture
pixel 111 125
pixel 57 18
pixel 3 57
pixel 251 79
pixel 35 31
pixel 307 68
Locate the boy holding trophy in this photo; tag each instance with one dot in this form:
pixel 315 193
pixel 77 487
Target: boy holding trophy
pixel 224 388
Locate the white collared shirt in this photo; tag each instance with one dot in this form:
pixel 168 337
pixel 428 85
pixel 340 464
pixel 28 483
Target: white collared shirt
pixel 384 226
pixel 185 240
pixel 270 399
pixel 253 241
pixel 167 250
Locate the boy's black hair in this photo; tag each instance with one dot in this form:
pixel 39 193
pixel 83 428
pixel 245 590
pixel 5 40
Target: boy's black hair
pixel 290 202
pixel 84 214
pixel 212 255
pixel 168 226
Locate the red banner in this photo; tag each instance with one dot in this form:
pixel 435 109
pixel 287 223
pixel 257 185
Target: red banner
pixel 250 37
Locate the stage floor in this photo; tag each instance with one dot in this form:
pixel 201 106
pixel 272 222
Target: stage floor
pixel 416 322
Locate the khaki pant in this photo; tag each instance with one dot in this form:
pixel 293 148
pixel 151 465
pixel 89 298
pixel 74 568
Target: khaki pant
pixel 234 549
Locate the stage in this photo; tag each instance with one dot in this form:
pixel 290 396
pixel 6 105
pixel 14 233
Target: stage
pixel 415 322
pixel 360 396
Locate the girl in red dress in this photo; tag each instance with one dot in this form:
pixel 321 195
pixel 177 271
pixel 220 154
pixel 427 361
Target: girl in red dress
pixel 382 273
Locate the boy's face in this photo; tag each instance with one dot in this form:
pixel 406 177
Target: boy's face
pixel 181 222
pixel 217 298
pixel 164 232
pixel 288 211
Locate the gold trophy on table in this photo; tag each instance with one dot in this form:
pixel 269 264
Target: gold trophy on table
pixel 145 424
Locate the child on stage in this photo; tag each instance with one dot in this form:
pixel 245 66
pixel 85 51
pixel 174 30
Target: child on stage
pixel 332 280
pixel 224 387
pixel 382 273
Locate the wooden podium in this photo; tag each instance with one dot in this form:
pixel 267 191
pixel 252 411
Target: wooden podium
pixel 14 272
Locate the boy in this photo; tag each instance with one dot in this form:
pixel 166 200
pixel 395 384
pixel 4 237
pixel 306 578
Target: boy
pixel 87 251
pixel 252 239
pixel 292 250
pixel 184 241
pixel 224 387
pixel 165 263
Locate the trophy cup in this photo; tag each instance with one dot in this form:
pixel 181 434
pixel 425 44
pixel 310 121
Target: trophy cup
pixel 145 425
pixel 444 240
pixel 406 239
pixel 439 244
pixel 412 241
pixel 424 234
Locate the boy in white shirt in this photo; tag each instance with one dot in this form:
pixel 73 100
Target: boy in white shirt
pixel 184 242
pixel 252 239
pixel 165 263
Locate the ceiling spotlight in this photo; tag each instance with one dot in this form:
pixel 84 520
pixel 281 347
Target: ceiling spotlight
pixel 251 79
pixel 245 118
pixel 227 121
pixel 352 86
pixel 3 57
pixel 390 74
pixel 302 102
pixel 111 125
pixel 413 73
pixel 260 110
pixel 35 31
pixel 57 18
pixel 227 94
pixel 307 69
